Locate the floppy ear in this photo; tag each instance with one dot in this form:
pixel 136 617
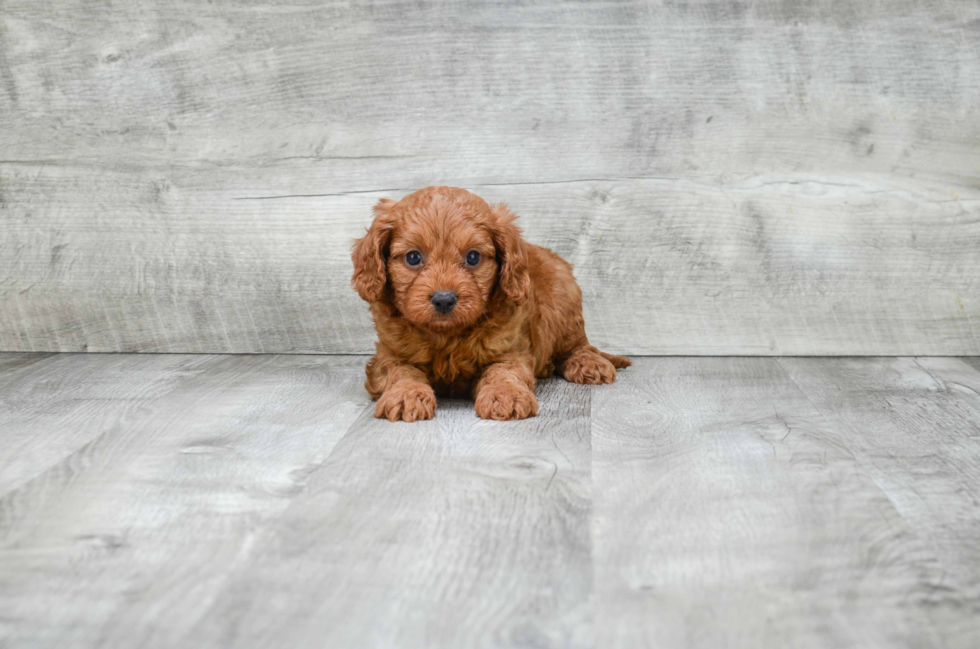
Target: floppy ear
pixel 369 254
pixel 514 279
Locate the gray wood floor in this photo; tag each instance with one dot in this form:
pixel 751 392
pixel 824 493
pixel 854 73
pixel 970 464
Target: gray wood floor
pixel 203 501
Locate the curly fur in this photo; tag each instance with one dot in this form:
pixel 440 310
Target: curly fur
pixel 518 315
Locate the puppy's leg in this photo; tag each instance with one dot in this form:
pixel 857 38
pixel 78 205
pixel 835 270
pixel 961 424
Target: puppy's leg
pixel 406 394
pixel 505 389
pixel 586 364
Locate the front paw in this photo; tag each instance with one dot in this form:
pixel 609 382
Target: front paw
pixel 411 402
pixel 504 401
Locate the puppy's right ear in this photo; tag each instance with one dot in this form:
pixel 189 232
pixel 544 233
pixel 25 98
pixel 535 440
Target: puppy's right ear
pixel 370 252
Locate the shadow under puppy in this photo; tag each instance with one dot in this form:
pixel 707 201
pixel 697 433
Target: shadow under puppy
pixel 464 306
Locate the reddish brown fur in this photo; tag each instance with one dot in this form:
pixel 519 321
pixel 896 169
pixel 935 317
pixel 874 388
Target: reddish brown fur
pixel 518 318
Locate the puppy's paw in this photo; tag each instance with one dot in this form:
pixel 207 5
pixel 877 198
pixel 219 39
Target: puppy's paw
pixel 588 367
pixel 619 362
pixel 505 401
pixel 406 401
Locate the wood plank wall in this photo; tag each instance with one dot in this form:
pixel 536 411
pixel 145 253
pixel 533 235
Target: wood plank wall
pixel 727 177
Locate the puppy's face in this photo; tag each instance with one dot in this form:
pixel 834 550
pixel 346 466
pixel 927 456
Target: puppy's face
pixel 442 269
pixel 438 255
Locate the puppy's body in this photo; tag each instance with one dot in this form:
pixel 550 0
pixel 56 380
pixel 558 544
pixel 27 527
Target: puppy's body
pixel 517 312
pixel 547 327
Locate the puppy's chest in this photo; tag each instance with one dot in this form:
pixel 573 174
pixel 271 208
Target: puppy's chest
pixel 451 364
pixel 453 367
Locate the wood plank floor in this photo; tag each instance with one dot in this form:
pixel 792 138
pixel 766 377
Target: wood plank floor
pixel 254 501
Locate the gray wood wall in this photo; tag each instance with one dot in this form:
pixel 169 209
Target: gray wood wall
pixel 727 177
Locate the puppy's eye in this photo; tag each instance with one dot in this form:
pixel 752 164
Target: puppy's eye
pixel 472 258
pixel 413 258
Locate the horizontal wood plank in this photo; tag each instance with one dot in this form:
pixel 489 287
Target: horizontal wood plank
pixel 763 178
pixel 666 266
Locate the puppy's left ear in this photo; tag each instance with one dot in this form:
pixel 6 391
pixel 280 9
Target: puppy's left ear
pixel 370 252
pixel 514 279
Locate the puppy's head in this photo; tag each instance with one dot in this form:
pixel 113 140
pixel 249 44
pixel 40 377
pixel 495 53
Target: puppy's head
pixel 439 255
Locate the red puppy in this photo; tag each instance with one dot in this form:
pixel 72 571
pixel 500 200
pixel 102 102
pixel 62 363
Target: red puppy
pixel 464 306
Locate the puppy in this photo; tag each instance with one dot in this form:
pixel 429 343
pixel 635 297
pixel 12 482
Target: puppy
pixel 464 306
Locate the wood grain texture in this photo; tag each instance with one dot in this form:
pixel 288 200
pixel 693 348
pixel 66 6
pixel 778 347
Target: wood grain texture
pixel 253 501
pixel 55 405
pixel 747 178
pixel 453 532
pixel 730 512
pixel 127 540
pixel 915 425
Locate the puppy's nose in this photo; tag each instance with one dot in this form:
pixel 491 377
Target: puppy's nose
pixel 443 301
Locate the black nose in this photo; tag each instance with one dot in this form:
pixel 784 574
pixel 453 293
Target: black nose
pixel 443 301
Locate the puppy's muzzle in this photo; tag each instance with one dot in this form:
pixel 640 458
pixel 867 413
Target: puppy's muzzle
pixel 443 301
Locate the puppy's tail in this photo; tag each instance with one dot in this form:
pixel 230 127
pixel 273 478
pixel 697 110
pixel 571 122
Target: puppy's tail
pixel 619 362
